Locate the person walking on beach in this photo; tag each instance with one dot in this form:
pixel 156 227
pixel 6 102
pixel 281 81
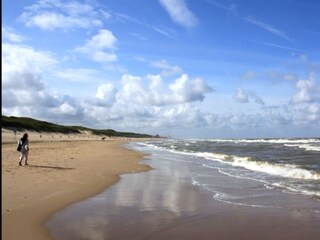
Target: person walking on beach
pixel 23 148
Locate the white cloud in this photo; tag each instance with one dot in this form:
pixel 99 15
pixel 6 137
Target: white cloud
pixel 66 109
pixel 50 21
pixel 10 35
pixel 24 90
pixel 243 96
pixel 100 47
pixel 104 39
pixel 314 112
pixel 22 66
pixel 307 114
pixel 277 116
pixel 256 98
pixel 185 89
pixel 306 102
pixel 182 116
pixel 150 91
pixel 149 103
pixel 53 14
pixel 141 103
pixel 179 12
pixel 240 96
pixel 167 70
pixel 308 91
pixel 106 95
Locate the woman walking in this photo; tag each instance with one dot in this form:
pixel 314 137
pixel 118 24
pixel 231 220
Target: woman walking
pixel 23 147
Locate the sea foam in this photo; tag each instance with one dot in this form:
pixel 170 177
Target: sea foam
pixel 283 170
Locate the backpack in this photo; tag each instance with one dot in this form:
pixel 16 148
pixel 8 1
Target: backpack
pixel 19 146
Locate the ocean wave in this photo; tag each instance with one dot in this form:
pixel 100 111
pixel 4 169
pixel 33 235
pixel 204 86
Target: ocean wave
pixel 307 147
pixel 283 170
pixel 277 169
pixel 262 140
pixel 221 197
pixel 295 189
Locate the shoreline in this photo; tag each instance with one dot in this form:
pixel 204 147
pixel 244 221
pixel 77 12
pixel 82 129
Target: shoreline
pixel 59 173
pixel 165 204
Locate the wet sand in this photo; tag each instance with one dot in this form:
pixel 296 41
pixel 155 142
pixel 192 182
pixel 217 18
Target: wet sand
pixel 163 204
pixel 59 173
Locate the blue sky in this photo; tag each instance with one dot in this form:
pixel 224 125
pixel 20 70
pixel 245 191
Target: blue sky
pixel 179 68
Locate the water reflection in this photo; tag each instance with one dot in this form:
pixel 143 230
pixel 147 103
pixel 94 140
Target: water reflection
pixel 156 189
pixel 138 204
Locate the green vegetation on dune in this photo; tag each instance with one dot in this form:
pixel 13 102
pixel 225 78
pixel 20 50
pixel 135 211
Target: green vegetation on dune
pixel 21 123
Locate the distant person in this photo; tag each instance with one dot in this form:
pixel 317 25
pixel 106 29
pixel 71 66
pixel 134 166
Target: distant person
pixel 23 148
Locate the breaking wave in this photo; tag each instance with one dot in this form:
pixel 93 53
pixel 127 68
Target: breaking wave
pixel 283 170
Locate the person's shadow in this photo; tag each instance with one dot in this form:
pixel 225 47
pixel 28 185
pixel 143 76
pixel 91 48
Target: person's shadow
pixel 50 167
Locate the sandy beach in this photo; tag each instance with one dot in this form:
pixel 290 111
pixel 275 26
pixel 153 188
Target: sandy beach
pixel 70 190
pixel 62 169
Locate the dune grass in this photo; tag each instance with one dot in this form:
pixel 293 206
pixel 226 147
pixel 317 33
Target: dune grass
pixel 24 123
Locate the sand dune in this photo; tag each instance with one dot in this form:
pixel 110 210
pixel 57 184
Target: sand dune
pixel 9 136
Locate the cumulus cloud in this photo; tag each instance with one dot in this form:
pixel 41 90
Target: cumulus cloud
pixel 183 116
pixel 179 12
pixel 55 14
pixel 106 95
pixel 185 89
pixel 100 47
pixel 22 66
pixel 137 101
pixel 243 96
pixel 167 69
pixel 308 91
pixel 306 102
pixel 150 91
pixel 152 102
pixel 149 103
pixel 41 104
pixel 277 116
pixel 255 98
pixel 67 107
pixel 314 112
pixel 306 114
pixel 240 96
pixel 23 87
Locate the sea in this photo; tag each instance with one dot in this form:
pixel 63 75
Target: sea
pixel 260 172
pixel 194 179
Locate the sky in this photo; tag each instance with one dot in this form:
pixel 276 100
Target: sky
pixel 177 68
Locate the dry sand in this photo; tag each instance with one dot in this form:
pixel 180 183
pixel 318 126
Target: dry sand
pixel 62 169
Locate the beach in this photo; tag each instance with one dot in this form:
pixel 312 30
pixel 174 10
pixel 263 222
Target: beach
pixel 60 172
pixel 129 189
